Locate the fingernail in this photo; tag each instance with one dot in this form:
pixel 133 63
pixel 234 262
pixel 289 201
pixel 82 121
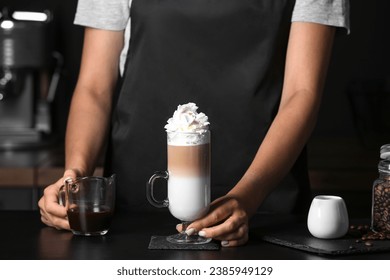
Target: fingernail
pixel 225 243
pixel 177 227
pixel 68 179
pixel 190 231
pixel 202 233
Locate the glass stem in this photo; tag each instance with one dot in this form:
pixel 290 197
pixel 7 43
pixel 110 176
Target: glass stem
pixel 185 226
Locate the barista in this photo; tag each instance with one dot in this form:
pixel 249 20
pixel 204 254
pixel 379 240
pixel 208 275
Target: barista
pixel 256 68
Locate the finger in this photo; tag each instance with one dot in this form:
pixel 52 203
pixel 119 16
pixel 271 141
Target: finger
pixel 41 204
pixel 239 233
pixel 235 242
pixel 179 227
pixel 229 227
pixel 44 216
pixel 50 193
pixel 53 221
pixel 42 211
pixel 55 210
pixel 70 174
pixel 45 221
pixel 214 217
pixel 60 223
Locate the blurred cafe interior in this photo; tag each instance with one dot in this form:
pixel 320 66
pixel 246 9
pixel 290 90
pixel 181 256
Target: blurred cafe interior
pixel 39 62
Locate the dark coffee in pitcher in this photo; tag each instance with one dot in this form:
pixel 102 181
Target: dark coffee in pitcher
pixel 90 220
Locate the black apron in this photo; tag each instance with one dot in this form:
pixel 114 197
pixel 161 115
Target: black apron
pixel 228 57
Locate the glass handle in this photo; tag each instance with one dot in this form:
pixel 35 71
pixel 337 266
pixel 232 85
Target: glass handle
pixel 62 192
pixel 149 189
pixel 62 196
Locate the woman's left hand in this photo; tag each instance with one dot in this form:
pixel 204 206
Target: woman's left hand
pixel 226 221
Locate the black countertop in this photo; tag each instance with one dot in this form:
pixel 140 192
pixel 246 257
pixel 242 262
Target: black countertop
pixel 26 238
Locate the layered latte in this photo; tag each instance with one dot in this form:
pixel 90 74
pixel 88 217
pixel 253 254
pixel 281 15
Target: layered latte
pixel 188 142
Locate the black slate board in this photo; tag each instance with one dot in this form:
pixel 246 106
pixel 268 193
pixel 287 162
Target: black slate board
pixel 161 243
pixel 299 237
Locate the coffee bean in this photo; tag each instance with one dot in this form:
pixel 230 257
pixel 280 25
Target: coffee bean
pixel 368 243
pixel 381 209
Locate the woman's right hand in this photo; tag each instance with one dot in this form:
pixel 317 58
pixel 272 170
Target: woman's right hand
pixel 52 213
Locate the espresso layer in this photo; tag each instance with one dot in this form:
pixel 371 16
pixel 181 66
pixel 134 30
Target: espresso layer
pixel 189 160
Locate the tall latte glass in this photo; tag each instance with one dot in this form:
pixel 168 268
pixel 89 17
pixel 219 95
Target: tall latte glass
pixel 188 177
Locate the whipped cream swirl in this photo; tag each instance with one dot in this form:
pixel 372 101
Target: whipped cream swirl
pixel 187 119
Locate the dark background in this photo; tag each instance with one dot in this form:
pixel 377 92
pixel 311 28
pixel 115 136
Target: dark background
pixel 359 74
pixel 67 39
pixel 354 119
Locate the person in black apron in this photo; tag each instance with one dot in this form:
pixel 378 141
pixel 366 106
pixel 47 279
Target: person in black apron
pixel 256 75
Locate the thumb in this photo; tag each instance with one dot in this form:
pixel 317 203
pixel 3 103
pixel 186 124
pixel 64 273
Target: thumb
pixel 71 174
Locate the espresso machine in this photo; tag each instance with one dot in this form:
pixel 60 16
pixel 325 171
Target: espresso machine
pixel 29 75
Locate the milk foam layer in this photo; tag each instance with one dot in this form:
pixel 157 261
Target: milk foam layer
pixel 189 197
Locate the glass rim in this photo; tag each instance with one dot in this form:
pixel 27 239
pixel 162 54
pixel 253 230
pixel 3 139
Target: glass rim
pixel 82 178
